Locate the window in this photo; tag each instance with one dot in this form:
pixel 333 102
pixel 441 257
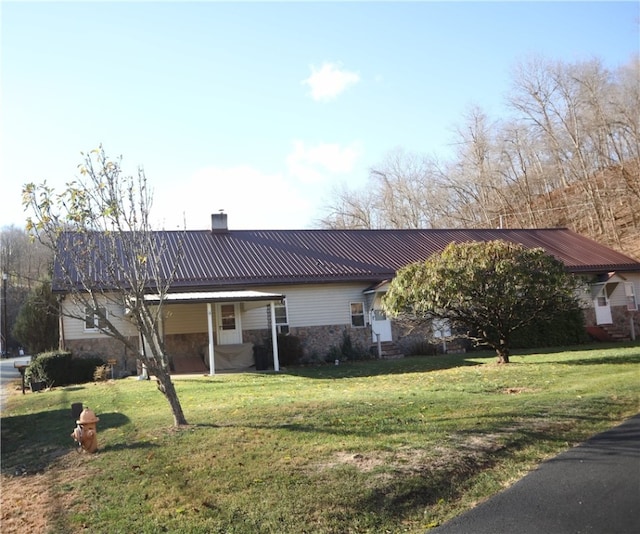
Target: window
pixel 95 319
pixel 228 316
pixel 282 321
pixel 357 314
pixel 379 315
pixel 629 292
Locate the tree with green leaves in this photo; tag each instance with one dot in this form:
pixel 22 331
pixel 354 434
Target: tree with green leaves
pixel 485 290
pixel 107 257
pixel 36 326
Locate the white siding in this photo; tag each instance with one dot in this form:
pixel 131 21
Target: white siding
pixel 618 297
pixel 310 305
pixel 74 328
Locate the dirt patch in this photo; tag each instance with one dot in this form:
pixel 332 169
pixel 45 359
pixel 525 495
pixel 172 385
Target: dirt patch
pixel 475 450
pixel 515 391
pixel 363 462
pixel 31 502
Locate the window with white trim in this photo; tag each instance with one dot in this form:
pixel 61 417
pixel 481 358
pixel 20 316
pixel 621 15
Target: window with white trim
pixel 357 314
pixel 282 317
pixel 95 319
pixel 629 293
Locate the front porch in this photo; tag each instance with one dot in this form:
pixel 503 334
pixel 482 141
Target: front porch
pixel 228 358
pixel 203 331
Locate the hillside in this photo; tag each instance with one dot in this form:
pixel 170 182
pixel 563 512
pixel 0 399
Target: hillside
pixel 606 209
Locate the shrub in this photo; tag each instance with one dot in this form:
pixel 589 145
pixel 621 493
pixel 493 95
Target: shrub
pixel 347 351
pixel 289 349
pixel 59 368
pixel 83 370
pixel 102 373
pixel 564 329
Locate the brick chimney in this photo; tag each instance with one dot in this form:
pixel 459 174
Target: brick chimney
pixel 219 222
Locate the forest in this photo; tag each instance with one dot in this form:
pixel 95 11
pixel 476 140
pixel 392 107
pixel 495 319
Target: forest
pixel 566 155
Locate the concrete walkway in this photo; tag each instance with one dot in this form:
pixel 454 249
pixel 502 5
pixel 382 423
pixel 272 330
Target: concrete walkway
pixel 593 488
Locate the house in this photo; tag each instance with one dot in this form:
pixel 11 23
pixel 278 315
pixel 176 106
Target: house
pixel 235 288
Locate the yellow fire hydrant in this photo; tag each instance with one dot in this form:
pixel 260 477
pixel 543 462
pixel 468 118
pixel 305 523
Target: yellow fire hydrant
pixel 86 433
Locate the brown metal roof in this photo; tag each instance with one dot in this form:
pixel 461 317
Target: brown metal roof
pixel 258 257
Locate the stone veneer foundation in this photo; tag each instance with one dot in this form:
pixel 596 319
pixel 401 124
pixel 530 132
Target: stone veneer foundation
pixel 106 348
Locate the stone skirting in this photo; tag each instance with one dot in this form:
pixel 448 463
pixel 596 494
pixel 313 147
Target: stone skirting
pixel 620 316
pixel 316 341
pixel 105 348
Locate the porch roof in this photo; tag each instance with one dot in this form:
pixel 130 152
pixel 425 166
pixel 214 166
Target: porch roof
pixel 217 296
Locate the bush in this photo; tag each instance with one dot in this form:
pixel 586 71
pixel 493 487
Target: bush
pixel 102 373
pixel 347 351
pixel 289 349
pixel 59 368
pixel 562 330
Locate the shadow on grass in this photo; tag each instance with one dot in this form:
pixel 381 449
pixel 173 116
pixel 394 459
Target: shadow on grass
pixel 128 446
pixel 366 368
pixel 425 485
pixel 36 439
pixel 605 360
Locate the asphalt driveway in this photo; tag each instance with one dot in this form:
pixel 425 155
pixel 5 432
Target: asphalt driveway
pixel 593 488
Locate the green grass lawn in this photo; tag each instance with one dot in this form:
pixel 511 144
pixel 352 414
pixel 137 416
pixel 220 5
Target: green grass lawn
pixel 381 446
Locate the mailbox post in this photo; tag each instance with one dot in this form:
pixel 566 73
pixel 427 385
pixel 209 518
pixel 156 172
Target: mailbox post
pixel 22 367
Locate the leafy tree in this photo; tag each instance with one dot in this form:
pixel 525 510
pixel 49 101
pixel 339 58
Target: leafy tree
pixel 488 290
pixel 36 326
pixel 24 263
pixel 105 251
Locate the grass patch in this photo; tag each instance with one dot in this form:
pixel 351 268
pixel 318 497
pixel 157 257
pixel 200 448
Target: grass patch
pixel 367 447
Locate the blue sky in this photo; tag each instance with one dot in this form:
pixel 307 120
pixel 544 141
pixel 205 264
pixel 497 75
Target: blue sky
pixel 261 109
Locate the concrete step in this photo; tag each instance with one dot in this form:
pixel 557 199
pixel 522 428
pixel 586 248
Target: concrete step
pixel 390 350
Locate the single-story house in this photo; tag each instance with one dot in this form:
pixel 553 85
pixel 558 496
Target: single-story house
pixel 235 288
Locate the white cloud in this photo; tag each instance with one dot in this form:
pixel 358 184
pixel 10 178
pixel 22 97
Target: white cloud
pixel 312 164
pixel 252 199
pixel 329 81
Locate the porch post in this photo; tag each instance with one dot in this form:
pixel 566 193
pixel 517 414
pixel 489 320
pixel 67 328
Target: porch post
pixel 274 337
pixel 212 364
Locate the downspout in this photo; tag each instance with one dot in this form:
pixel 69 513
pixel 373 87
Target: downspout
pixel 212 363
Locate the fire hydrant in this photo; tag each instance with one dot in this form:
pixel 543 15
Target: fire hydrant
pixel 85 433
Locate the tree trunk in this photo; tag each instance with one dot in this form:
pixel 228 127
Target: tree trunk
pixel 166 386
pixel 503 354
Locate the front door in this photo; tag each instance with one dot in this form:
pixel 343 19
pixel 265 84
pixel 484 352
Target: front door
pixel 380 324
pixel 602 307
pixel 228 323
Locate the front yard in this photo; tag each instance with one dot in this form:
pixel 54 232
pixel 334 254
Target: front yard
pixel 381 446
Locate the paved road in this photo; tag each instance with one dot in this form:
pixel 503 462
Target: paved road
pixel 8 373
pixel 593 488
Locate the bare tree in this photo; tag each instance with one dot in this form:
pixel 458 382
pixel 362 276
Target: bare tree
pixel 403 191
pixel 107 257
pixel 351 210
pixel 569 155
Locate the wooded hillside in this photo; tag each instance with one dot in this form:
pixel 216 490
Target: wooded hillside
pixel 567 155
